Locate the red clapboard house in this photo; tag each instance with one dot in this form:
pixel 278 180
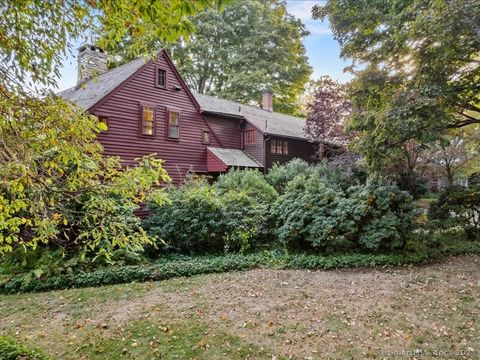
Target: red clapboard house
pixel 148 108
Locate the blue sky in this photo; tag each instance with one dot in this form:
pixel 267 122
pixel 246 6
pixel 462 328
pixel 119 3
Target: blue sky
pixel 322 50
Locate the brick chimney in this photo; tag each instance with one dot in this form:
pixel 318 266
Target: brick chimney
pixel 267 100
pixel 92 61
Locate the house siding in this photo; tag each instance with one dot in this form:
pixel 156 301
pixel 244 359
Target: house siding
pixel 214 164
pixel 296 149
pixel 123 110
pixel 227 130
pixel 257 150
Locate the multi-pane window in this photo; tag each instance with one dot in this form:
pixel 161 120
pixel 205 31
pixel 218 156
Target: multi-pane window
pixel 161 80
pixel 285 147
pixel 173 122
pixel 279 147
pixel 250 136
pixel 148 120
pixel 205 136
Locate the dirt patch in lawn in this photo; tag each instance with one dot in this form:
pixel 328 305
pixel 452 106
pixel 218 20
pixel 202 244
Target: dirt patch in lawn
pixel 423 312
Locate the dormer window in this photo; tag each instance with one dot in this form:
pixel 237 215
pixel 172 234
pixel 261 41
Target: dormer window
pixel 161 78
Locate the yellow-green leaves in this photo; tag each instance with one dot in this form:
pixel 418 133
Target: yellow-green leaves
pixel 57 187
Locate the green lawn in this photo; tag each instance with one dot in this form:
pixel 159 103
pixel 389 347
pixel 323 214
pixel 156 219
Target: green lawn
pixel 261 314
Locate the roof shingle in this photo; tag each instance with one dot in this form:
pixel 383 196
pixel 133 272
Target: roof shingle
pixel 96 89
pixel 268 122
pixel 235 157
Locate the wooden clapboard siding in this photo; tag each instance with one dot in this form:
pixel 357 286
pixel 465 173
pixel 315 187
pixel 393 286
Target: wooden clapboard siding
pixel 257 150
pixel 123 137
pixel 227 130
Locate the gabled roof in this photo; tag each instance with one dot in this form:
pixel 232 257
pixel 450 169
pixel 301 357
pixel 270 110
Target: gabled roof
pixel 96 89
pixel 234 157
pixel 268 122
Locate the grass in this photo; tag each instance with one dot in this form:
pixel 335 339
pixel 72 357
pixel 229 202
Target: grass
pixel 260 314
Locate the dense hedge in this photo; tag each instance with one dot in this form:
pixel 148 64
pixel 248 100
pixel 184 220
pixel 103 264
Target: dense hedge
pixel 11 350
pixel 186 266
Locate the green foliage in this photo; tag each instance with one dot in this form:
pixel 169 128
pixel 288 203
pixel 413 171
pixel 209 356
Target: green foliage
pixel 57 187
pixel 250 182
pixel 12 350
pixel 178 266
pixel 190 222
pixel 31 47
pixel 416 69
pixel 201 218
pixel 458 206
pixel 281 174
pixel 384 216
pixel 314 215
pixel 251 45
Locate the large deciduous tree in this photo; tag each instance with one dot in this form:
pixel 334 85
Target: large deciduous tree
pixel 249 46
pixel 416 66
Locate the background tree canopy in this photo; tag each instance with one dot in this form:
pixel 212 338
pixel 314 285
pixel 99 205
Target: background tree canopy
pixel 36 33
pixel 236 53
pixel 416 66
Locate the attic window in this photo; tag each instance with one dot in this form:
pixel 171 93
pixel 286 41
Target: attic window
pixel 147 124
pixel 161 78
pixel 250 136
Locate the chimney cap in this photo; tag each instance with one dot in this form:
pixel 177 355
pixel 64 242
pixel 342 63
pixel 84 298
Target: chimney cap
pixel 90 47
pixel 267 91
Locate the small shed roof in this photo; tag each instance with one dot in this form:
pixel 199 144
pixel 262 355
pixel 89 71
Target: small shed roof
pixel 234 157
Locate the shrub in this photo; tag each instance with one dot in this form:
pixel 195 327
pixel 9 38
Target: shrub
pixel 368 218
pixel 280 175
pixel 251 182
pixel 208 219
pixel 458 206
pixel 12 350
pixel 191 222
pixel 384 216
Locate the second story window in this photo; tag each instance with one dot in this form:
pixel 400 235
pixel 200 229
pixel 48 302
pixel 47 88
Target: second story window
pixel 173 124
pixel 161 78
pixel 279 147
pixel 250 136
pixel 147 126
